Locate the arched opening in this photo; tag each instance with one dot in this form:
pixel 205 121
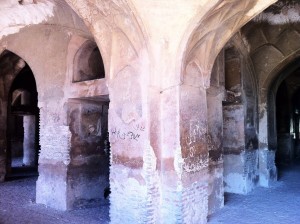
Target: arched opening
pixel 22 125
pixel 270 46
pixel 284 110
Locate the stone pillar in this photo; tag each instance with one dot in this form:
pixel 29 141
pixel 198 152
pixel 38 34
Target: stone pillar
pixel 133 169
pixel 29 150
pixel 54 157
pixel 267 142
pixel 185 160
pixel 234 149
pixel 195 158
pixel 3 141
pixel 240 139
pixel 215 96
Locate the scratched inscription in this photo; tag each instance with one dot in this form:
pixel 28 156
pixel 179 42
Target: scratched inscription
pixel 133 134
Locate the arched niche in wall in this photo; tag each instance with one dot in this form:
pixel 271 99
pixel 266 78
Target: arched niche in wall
pixel 88 63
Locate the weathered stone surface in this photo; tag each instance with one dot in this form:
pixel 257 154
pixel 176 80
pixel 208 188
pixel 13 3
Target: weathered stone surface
pixel 88 171
pixel 170 138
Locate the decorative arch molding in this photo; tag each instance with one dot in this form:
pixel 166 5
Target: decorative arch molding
pixel 115 27
pixel 223 20
pixel 281 71
pixel 271 53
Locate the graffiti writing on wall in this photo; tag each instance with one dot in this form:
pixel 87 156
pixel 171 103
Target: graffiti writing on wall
pixel 134 134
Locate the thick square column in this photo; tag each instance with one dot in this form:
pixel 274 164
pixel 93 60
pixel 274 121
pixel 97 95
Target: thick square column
pixel 133 170
pixel 184 172
pixel 267 166
pixel 54 158
pixel 215 96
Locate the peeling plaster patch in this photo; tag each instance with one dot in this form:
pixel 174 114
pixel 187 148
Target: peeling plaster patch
pixel 10 30
pixel 19 16
pixel 289 15
pixel 263 124
pixel 267 167
pixel 236 181
pixel 178 161
pixel 126 186
pixel 58 150
pixel 263 180
pixel 196 165
pixel 149 161
pixel 246 43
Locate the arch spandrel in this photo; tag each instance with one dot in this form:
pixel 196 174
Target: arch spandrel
pixel 215 29
pixel 279 48
pixel 113 25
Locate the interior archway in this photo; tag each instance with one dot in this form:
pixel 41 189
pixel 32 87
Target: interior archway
pixel 286 88
pixel 268 51
pixel 22 125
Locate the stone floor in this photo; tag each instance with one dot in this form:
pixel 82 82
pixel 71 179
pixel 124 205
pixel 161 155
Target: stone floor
pixel 278 204
pixel 17 206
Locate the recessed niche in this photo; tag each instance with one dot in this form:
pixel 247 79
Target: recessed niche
pixel 88 63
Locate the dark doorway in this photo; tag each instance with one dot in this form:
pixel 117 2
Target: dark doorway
pixel 22 126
